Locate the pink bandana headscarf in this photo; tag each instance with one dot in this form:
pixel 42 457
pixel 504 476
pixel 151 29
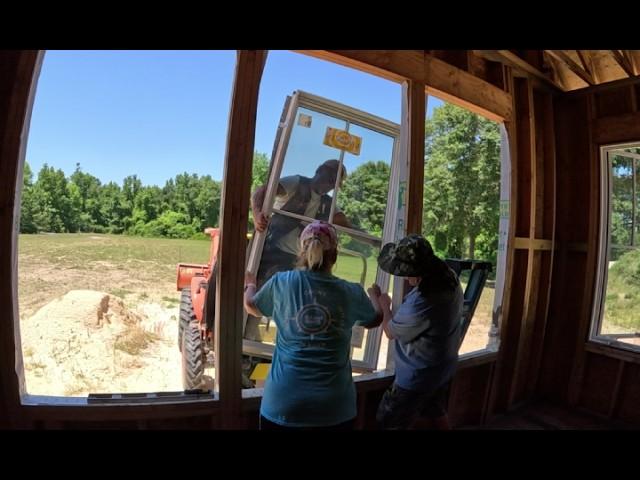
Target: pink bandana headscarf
pixel 323 232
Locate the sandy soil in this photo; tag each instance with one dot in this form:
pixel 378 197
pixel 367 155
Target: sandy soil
pixel 88 341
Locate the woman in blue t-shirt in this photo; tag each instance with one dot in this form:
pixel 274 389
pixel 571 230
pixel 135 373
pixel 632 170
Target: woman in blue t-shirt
pixel 310 383
pixel 426 328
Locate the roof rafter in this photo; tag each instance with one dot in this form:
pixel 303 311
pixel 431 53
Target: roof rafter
pixel 509 58
pixel 573 66
pixel 630 59
pixel 623 61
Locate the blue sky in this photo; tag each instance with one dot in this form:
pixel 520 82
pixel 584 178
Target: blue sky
pixel 160 113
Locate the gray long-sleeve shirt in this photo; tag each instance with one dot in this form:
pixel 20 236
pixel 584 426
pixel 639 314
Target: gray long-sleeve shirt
pixel 427 332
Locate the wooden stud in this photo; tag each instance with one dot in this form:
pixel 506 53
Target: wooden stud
pixel 499 375
pixel 615 394
pixel 550 161
pixel 234 213
pixel 415 93
pixel 18 69
pixel 533 260
pixel 584 314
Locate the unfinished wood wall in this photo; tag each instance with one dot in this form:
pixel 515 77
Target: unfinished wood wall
pixel 600 379
pixel 533 193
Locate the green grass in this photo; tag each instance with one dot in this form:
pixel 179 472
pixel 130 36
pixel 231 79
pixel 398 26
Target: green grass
pixel 134 340
pixel 622 301
pixel 120 292
pixel 350 268
pixel 82 250
pixel 50 265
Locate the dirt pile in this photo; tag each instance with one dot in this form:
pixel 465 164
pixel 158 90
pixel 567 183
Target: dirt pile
pixel 88 341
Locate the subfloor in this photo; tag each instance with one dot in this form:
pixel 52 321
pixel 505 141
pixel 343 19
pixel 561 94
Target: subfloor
pixel 547 416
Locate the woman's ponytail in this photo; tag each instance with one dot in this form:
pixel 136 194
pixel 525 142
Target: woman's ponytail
pixel 313 254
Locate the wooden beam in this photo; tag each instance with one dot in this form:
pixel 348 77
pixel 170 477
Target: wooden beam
pixel 573 66
pixel 440 78
pixel 585 64
pixel 234 213
pixel 530 161
pixel 416 115
pixel 525 243
pixel 591 207
pixel 629 56
pixel 623 62
pixel 501 375
pixel 620 128
pixel 19 70
pixel 511 59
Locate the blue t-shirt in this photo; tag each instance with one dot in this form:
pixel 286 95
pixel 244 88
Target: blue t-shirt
pixel 427 332
pixel 310 381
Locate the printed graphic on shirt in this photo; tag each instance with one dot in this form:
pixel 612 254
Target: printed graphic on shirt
pixel 313 319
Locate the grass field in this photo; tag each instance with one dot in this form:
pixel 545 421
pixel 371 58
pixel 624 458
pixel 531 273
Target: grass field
pixel 128 267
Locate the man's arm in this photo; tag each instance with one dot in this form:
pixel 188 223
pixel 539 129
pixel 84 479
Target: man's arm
pixel 257 199
pixel 341 219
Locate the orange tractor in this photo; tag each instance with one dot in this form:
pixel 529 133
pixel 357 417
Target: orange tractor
pixel 195 336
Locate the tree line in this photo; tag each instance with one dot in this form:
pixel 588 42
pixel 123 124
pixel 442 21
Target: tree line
pixel 461 194
pixel 182 208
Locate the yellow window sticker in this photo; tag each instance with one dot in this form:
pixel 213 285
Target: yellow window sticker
pixel 342 140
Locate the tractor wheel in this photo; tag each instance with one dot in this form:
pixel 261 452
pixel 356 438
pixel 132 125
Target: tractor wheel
pixel 193 357
pixel 187 314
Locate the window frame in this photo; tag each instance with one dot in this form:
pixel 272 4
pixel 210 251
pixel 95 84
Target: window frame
pixel 604 241
pixel 352 116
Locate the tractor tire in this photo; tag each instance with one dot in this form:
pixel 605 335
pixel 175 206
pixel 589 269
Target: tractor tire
pixel 187 314
pixel 193 357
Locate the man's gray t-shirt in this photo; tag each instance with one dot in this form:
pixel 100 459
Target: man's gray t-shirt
pixel 289 242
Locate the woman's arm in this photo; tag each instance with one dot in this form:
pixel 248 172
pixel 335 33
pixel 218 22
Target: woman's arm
pixel 250 289
pixel 385 305
pixel 374 295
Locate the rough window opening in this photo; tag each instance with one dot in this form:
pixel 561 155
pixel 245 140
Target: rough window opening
pixel 616 314
pixel 465 208
pixel 327 102
pixel 123 173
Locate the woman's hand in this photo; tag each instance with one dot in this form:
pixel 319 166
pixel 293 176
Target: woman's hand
pixel 374 291
pixel 385 301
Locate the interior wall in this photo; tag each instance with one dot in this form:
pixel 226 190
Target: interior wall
pixel 596 378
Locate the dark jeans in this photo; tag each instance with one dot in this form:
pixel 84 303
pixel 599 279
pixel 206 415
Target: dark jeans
pixel 266 424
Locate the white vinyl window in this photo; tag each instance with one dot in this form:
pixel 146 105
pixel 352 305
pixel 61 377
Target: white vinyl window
pixel 303 147
pixel 616 312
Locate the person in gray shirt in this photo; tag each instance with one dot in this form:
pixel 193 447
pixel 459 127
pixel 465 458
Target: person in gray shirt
pixel 426 328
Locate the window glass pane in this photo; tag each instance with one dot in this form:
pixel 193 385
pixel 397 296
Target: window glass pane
pixel 621 312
